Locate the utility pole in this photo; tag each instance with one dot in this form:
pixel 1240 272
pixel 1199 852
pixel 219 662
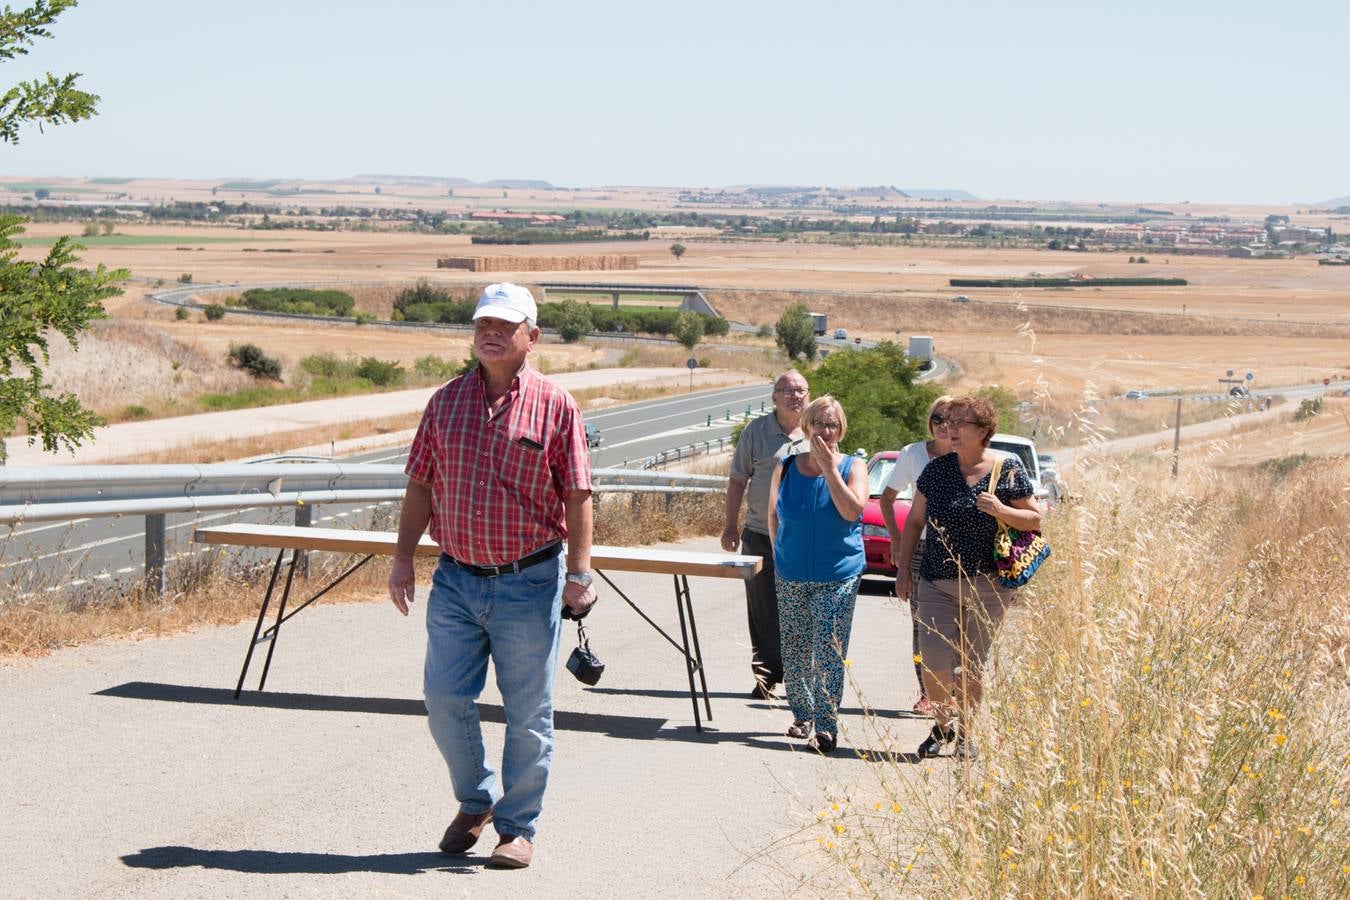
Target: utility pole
pixel 1176 441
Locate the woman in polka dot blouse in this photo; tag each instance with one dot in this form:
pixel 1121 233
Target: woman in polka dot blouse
pixel 960 600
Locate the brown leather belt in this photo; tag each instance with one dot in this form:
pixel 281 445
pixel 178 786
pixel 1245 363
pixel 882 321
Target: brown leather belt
pixel 510 568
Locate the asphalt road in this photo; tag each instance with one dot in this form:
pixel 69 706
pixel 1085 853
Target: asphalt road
pixel 129 771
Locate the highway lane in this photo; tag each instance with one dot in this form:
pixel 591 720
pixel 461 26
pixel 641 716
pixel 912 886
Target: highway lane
pixel 94 552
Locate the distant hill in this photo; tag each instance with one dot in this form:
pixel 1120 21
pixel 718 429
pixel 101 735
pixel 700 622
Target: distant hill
pixel 441 181
pixel 1339 201
pixel 524 184
pixel 939 194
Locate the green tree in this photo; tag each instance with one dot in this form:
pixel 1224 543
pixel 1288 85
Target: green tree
pixel 51 100
pixel 42 193
pixel 688 329
pixel 796 332
pixel 52 295
pixel 876 387
pixel 1005 404
pixel 574 320
pixel 109 227
pixel 677 250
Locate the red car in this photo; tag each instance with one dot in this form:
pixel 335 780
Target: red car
pixel 876 539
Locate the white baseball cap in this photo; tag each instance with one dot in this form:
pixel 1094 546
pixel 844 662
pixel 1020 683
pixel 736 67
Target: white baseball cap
pixel 508 302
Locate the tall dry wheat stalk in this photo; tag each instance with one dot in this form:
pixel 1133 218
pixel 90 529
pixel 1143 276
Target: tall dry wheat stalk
pixel 1168 714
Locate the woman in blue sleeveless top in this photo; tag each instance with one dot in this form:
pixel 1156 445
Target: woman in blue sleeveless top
pixel 816 503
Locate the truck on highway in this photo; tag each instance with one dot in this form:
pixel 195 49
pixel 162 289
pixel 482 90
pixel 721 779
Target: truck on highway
pixel 921 349
pixel 819 321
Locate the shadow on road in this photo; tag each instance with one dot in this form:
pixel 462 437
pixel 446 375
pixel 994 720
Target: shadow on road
pixel 632 727
pixel 272 862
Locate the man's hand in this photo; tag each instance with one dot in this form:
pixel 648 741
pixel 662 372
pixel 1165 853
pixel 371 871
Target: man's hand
pixel 904 584
pixel 402 583
pixel 895 551
pixel 577 598
pixel 730 539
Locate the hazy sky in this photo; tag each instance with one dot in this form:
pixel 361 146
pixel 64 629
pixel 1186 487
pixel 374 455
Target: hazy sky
pixel 1206 101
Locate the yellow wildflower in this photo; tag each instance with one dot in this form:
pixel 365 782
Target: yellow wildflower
pixel 1275 714
pixel 918 659
pixel 1280 739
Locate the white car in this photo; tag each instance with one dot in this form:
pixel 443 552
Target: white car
pixel 1136 395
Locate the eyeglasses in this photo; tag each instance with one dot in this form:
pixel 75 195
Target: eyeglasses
pixel 938 419
pixel 795 392
pixel 958 423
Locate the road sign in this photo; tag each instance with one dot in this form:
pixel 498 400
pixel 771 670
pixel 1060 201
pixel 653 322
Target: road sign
pixel 1230 373
pixel 1250 376
pixel 692 363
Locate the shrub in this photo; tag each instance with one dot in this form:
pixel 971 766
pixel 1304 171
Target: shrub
pixel 379 372
pixel 434 367
pixel 765 331
pixel 302 301
pixel 364 318
pixel 1307 409
pixel 329 365
pixel 135 411
pixel 574 320
pixel 185 278
pixel 689 329
pixel 876 386
pixel 214 312
pixel 252 359
pixel 180 313
pixel 91 229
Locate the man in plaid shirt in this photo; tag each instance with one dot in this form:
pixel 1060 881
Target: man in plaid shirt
pixel 500 471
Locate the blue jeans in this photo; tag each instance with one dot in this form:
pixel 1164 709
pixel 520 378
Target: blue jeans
pixel 515 619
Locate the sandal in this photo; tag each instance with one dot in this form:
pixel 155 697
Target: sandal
pixel 799 729
pixel 822 742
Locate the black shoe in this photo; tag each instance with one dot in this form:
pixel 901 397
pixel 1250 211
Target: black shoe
pixel 822 743
pixel 932 745
pixel 762 692
pixel 965 749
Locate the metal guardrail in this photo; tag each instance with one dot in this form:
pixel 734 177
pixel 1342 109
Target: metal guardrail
pixel 677 454
pixel 56 493
pixel 66 493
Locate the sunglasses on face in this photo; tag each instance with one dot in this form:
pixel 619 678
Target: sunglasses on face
pixel 938 419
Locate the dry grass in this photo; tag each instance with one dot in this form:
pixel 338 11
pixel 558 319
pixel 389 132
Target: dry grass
pixel 1169 714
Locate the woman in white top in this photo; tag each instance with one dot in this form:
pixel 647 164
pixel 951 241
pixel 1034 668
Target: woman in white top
pixel 910 464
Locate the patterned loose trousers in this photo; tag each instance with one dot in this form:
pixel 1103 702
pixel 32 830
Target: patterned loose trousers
pixel 814 620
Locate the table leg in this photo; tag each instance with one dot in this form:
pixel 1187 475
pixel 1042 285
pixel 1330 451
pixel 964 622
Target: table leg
pixel 262 614
pixel 698 651
pixel 281 614
pixel 690 663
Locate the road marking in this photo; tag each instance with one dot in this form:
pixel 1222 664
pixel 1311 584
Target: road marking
pixel 38 528
pixel 124 570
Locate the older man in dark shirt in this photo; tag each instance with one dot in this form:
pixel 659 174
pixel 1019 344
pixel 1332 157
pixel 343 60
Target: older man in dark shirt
pixel 499 470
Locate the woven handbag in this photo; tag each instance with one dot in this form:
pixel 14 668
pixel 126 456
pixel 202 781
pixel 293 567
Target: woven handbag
pixel 1018 554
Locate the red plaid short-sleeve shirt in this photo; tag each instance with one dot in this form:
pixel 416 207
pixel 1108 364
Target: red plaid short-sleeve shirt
pixel 498 479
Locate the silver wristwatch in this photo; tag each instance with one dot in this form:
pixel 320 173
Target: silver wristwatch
pixel 581 578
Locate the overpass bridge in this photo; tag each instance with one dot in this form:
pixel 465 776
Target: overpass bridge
pixel 691 298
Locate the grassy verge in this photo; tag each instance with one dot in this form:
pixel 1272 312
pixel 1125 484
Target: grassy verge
pixel 1169 713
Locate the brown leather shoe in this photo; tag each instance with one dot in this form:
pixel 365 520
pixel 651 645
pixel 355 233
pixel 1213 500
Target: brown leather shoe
pixel 513 852
pixel 464 831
